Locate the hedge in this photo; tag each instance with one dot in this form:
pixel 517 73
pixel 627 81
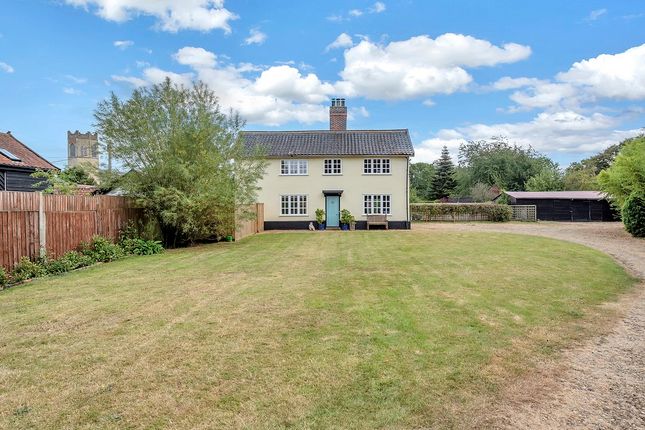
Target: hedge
pixel 460 212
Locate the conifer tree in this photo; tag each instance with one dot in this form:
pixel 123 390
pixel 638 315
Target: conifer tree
pixel 443 183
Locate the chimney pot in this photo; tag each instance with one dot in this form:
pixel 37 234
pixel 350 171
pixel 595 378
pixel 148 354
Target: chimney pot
pixel 338 115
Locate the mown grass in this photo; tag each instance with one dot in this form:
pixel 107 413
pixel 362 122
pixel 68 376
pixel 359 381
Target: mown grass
pixel 333 330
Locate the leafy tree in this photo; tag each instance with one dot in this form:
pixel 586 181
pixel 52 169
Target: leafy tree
pixel 496 162
pixel 421 175
pixel 579 179
pixel 627 173
pixel 187 164
pixel 62 181
pixel 548 179
pixel 81 175
pixel 443 182
pixel 482 193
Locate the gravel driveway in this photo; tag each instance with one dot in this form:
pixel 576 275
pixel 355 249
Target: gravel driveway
pixel 601 383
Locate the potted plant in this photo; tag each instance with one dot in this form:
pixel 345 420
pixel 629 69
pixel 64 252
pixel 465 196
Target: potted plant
pixel 352 223
pixel 346 218
pixel 320 219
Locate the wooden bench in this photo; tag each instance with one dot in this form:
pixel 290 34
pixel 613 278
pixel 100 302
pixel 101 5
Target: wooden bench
pixel 376 220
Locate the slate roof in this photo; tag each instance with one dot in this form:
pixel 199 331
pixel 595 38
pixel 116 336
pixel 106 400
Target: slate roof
pixel 567 195
pixel 28 158
pixel 327 142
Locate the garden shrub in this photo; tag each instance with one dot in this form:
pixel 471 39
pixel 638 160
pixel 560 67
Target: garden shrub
pixel 633 213
pixel 27 269
pixel 69 261
pixel 4 279
pixel 100 249
pixel 137 246
pixel 451 211
pixel 133 244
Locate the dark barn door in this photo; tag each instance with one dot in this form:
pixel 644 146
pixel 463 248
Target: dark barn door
pixel 581 210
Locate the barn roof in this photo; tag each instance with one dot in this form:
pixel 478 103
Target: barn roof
pixel 328 142
pixel 565 195
pixel 14 153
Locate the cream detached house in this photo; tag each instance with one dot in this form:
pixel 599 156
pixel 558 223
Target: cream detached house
pixel 364 171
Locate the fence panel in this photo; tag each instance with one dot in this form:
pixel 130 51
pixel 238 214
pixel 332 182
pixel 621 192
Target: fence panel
pixel 524 212
pixel 248 227
pixel 67 221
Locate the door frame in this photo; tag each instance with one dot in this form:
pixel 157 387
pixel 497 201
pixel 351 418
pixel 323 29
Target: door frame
pixel 332 193
pixel 327 197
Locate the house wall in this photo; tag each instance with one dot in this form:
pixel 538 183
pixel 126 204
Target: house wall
pixel 352 181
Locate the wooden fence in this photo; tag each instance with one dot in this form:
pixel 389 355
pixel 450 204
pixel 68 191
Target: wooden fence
pixel 524 213
pixel 34 223
pixel 247 227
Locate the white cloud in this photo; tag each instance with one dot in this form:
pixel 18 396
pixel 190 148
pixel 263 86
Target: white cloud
pixel 195 57
pixel 378 7
pixel 123 44
pixel 275 96
pixel 418 67
pixel 171 15
pixel 131 80
pixel 6 67
pixel 608 76
pixel 421 66
pixel 343 40
pixel 72 91
pixel 564 131
pixel 76 79
pixel 595 14
pixel 256 37
pixel 619 76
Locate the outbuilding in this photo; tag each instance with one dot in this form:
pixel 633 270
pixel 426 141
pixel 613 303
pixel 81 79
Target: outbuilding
pixel 565 205
pixel 17 163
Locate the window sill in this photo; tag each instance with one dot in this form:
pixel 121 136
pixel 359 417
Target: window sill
pixel 291 216
pixel 377 174
pixel 332 174
pixel 295 174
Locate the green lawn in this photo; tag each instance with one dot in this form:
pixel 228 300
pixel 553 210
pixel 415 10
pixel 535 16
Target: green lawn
pixel 334 330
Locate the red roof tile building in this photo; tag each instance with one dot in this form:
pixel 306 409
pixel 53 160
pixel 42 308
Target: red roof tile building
pixel 17 163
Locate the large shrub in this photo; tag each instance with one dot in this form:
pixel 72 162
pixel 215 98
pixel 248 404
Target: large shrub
pixel 187 164
pixel 452 211
pixel 633 213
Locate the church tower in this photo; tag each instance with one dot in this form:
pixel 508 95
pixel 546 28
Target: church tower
pixel 82 148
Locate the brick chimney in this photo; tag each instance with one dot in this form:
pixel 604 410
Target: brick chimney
pixel 338 115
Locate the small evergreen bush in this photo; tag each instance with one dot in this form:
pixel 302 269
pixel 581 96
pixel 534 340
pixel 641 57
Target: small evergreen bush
pixel 633 213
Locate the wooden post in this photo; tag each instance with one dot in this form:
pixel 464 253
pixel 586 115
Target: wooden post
pixel 42 233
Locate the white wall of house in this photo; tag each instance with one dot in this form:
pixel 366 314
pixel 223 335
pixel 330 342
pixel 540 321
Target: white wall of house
pixel 352 180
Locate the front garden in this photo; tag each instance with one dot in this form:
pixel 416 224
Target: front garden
pixel 393 329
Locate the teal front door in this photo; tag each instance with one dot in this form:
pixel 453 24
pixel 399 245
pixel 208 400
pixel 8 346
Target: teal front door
pixel 332 210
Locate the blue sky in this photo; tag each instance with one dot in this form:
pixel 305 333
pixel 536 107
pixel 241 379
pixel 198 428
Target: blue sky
pixel 567 78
